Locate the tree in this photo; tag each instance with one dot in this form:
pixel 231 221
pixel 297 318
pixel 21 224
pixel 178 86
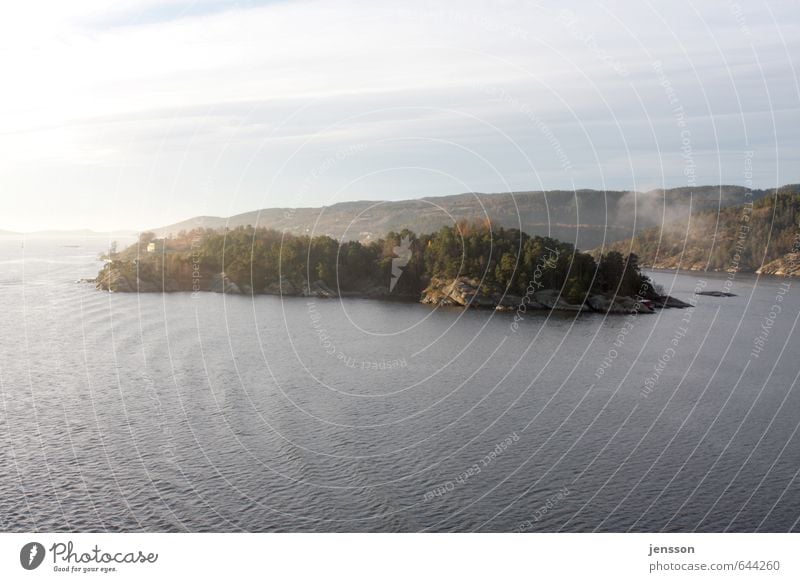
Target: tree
pixel 503 260
pixel 505 270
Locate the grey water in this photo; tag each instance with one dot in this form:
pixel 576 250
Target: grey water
pixel 174 412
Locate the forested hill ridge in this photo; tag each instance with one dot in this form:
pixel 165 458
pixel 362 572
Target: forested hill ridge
pixel 585 218
pixel 739 238
pixel 471 265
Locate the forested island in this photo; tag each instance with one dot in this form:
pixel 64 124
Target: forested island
pixel 469 265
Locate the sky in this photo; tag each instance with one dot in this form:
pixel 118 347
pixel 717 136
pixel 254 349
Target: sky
pixel 136 114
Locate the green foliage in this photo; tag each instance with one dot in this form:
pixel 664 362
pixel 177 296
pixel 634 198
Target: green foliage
pixel 502 260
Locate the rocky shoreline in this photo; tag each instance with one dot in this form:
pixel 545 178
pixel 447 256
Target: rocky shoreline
pixel 461 292
pixel 465 292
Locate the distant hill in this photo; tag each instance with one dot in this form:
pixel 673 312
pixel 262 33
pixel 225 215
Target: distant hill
pixel 585 218
pixel 737 238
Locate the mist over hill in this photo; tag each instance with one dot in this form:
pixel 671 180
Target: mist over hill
pixel 762 235
pixel 585 218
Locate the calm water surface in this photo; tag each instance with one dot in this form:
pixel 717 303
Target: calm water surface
pixel 225 413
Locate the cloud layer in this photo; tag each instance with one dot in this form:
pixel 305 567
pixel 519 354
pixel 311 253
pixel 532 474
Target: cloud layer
pixel 142 113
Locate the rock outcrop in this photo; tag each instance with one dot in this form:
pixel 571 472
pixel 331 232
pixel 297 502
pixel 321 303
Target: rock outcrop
pixel 620 305
pixel 466 292
pixel 669 301
pixel 786 266
pixel 282 287
pixel 552 299
pixel 221 284
pixel 716 294
pixel 112 279
pixel 320 289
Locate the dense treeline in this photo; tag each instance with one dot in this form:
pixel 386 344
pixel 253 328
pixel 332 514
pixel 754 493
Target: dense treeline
pixel 262 260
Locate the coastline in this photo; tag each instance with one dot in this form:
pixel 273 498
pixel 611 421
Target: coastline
pixel 458 293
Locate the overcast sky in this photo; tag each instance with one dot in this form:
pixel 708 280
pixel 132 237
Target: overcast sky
pixel 136 114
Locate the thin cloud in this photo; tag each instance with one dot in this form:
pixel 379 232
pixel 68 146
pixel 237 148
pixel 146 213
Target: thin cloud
pixel 157 95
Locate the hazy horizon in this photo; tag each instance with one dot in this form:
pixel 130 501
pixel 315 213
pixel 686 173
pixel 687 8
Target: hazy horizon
pixel 140 229
pixel 139 114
